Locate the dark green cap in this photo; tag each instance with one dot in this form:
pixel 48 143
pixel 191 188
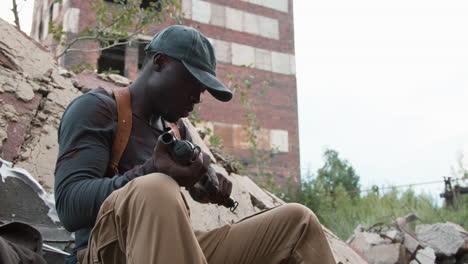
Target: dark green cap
pixel 195 51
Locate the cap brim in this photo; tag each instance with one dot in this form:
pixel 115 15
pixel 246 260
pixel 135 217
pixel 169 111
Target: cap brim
pixel 214 86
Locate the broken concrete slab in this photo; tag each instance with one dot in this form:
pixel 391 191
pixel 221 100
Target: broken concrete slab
pixel 411 244
pixel 23 199
pixel 24 53
pixel 39 151
pixel 365 241
pixel 386 254
pixel 394 235
pixel 342 251
pixel 424 256
pixel 444 238
pixel 15 121
pixel 24 91
pixel 119 80
pixel 464 234
pixel 88 80
pixel 115 78
pixel 402 223
pixel 359 228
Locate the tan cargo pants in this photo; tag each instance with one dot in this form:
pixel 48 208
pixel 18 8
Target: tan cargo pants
pixel 148 221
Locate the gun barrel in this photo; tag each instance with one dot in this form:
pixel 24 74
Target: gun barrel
pixel 167 138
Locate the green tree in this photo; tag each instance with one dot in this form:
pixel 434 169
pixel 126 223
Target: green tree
pixel 341 210
pixel 337 172
pixel 14 9
pixel 118 23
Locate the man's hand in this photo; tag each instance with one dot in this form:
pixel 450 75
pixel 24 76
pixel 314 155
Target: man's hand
pixel 184 175
pixel 213 187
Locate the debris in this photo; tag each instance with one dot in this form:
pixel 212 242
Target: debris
pixel 365 241
pixel 386 254
pixel 65 73
pixel 411 244
pixel 257 203
pixel 24 92
pixel 398 243
pixel 115 78
pixel 424 256
pixel 394 235
pixel 23 198
pixel 445 238
pixel 228 163
pixel 360 228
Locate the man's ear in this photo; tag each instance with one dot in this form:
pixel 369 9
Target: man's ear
pixel 159 62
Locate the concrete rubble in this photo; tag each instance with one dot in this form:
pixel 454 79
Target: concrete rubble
pixel 393 243
pixel 34 92
pixel 445 238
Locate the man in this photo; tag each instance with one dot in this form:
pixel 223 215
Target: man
pixel 140 216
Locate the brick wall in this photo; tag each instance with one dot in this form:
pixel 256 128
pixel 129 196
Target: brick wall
pixel 257 32
pixel 240 38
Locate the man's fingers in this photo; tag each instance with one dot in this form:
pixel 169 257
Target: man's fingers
pixel 228 189
pixel 206 161
pixel 199 194
pixel 197 165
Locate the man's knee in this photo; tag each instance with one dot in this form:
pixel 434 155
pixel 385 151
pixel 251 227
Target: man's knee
pixel 155 187
pixel 298 212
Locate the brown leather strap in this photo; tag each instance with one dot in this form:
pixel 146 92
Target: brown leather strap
pixel 124 127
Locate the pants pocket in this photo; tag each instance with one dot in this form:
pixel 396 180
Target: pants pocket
pixel 111 253
pixel 103 244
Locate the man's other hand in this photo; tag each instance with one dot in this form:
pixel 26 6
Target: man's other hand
pixel 213 187
pixel 184 175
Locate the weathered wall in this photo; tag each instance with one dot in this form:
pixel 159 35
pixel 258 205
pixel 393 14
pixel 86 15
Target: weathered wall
pixel 33 96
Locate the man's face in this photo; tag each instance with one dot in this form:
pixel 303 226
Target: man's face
pixel 180 91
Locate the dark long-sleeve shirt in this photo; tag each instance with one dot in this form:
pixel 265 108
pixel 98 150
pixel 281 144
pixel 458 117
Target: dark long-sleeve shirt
pixel 85 137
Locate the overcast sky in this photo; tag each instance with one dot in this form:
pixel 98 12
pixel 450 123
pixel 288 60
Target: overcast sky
pixel 385 83
pixel 25 8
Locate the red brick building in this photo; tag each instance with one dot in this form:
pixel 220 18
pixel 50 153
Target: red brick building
pixel 243 32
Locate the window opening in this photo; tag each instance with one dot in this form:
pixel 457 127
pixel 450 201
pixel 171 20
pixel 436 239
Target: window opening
pixel 112 60
pixel 146 3
pixel 118 1
pixel 51 12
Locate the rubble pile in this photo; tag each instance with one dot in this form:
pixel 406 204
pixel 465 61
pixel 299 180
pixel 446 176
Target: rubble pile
pixel 34 92
pixel 398 243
